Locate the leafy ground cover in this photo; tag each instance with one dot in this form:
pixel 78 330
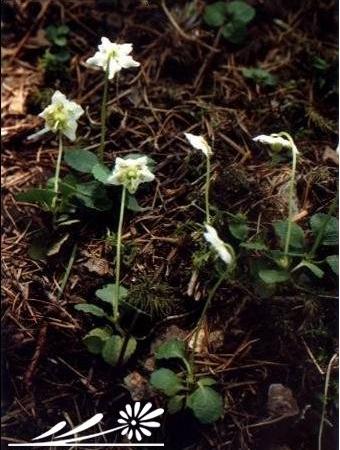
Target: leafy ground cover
pixel 266 348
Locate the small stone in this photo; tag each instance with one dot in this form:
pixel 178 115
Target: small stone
pixel 138 386
pixel 281 401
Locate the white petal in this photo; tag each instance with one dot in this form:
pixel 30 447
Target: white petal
pixel 122 421
pixel 129 410
pixel 145 409
pixel 114 68
pixel 58 97
pixel 150 424
pixel 199 143
pixel 219 246
pixel 136 409
pixel 123 414
pixel 145 431
pixel 138 435
pixel 125 49
pixel 153 414
pixel 128 61
pixel 130 435
pixel 124 431
pixel 70 130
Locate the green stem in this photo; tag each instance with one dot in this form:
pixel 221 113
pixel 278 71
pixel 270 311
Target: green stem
pixel 291 191
pixel 115 303
pixel 207 189
pixel 104 114
pixel 206 306
pixel 57 172
pixel 290 205
pixel 323 227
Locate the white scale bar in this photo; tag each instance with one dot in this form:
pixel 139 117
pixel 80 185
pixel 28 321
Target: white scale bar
pixel 56 444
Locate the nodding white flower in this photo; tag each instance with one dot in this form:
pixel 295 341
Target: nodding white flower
pixel 199 143
pixel 276 142
pixel 137 420
pixel 218 245
pixel 112 57
pixel 61 116
pixel 130 172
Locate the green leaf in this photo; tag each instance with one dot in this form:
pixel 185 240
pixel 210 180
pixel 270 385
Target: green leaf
pixel 239 229
pixel 206 381
pixel 175 404
pixel 81 160
pixel 91 309
pixel 312 267
pixel 174 348
pixel 331 234
pixel 38 250
pixel 100 172
pixel 113 347
pixel 93 195
pixel 108 293
pixel 55 247
pixel 166 381
pixel 259 76
pixel 215 14
pixel 297 237
pixel 273 276
pixel 96 339
pixel 255 245
pixel 333 262
pixel 35 195
pixel 133 205
pixel 240 12
pixel 206 404
pixel 234 32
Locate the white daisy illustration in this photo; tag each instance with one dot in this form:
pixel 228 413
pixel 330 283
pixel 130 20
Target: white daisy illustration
pixel 137 420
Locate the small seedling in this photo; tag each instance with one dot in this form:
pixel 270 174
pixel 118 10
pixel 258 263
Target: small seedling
pixel 232 18
pixel 184 388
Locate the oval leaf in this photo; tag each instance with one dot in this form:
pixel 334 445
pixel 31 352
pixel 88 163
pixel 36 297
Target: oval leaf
pixel 206 404
pixel 91 309
pixel 174 348
pixel 273 276
pixel 96 338
pixel 81 160
pixel 166 381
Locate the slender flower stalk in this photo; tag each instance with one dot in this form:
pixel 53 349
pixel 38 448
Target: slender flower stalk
pixel 291 190
pixel 277 141
pixel 57 170
pixel 118 256
pixel 207 189
pixel 112 58
pixel 129 173
pixel 199 143
pixel 103 115
pixel 226 253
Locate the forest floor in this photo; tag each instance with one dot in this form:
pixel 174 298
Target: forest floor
pixel 190 79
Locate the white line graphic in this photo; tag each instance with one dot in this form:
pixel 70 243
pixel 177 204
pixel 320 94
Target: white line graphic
pixel 134 423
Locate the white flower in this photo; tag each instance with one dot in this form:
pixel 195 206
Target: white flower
pixel 62 115
pixel 199 143
pixel 113 57
pixel 130 172
pixel 276 142
pixel 138 421
pixel 218 245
